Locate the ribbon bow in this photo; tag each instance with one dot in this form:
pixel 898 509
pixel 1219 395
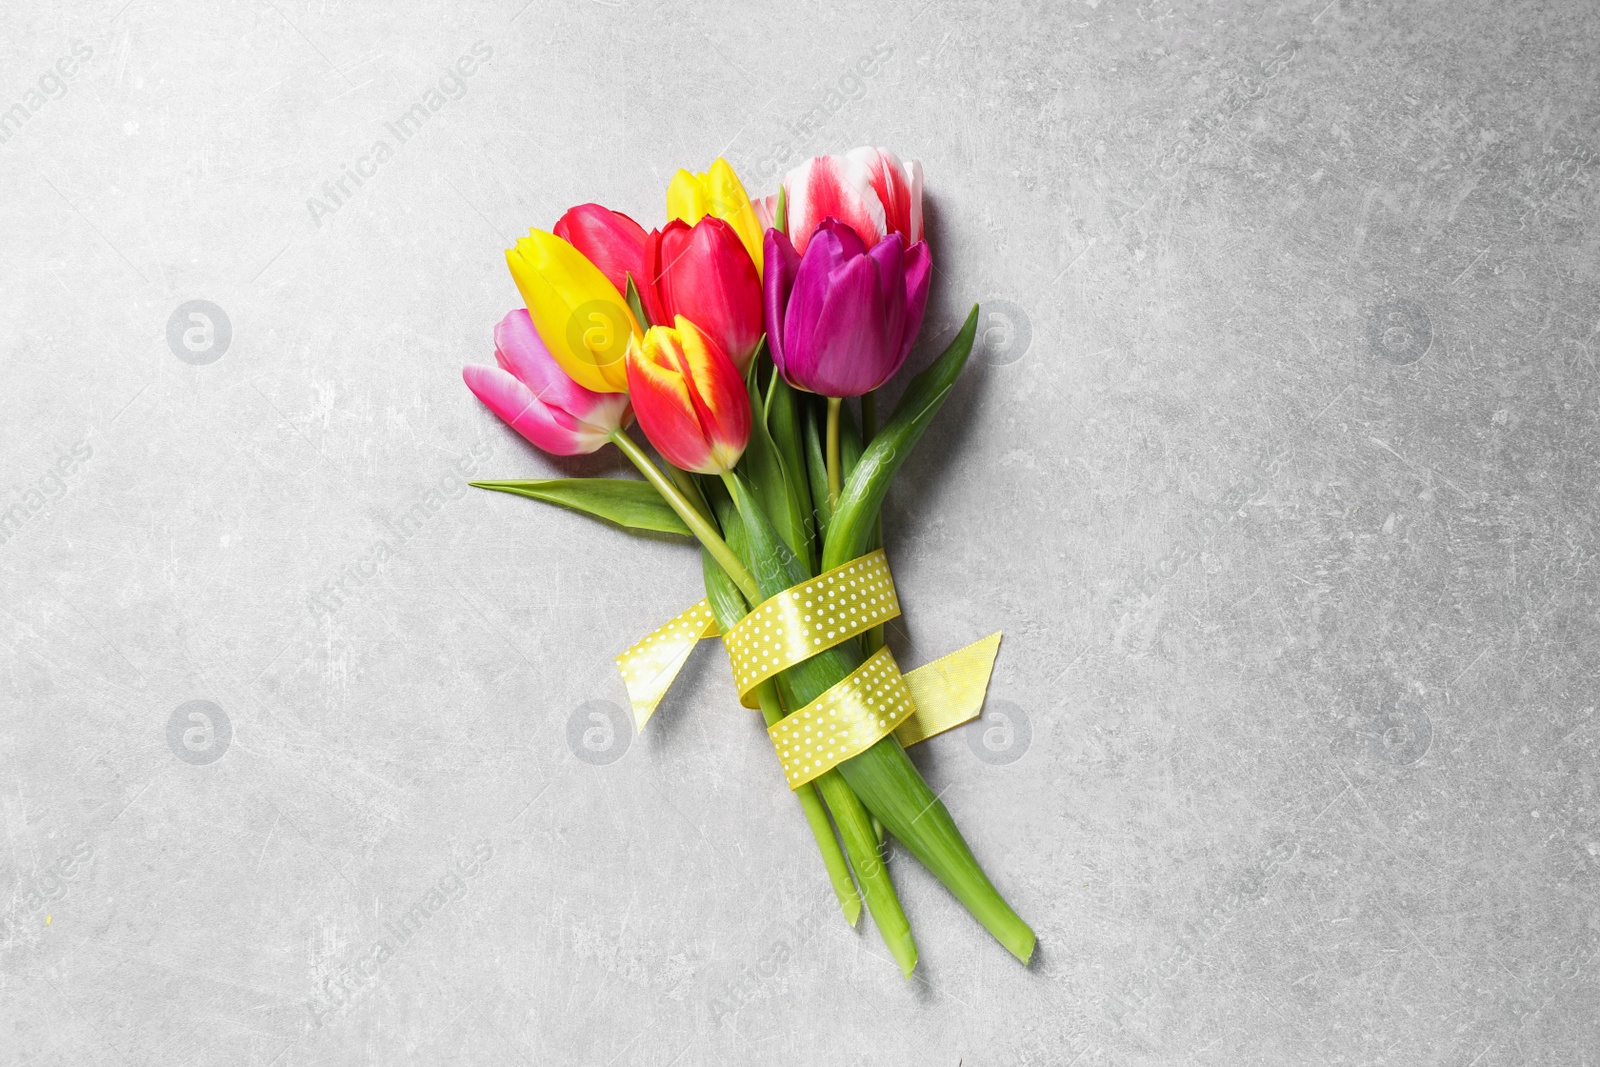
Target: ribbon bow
pixel 796 624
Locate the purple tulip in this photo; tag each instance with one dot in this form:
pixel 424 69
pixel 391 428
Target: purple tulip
pixel 841 319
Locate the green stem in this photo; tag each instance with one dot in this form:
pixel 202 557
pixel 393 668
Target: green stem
pixel 872 640
pixel 691 517
pixel 729 607
pixel 817 819
pixel 850 815
pixel 855 827
pixel 835 480
pixel 691 492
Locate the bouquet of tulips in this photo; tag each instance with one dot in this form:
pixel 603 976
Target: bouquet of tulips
pixel 733 334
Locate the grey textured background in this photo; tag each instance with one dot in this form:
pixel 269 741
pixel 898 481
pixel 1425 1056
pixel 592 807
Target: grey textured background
pixel 1277 470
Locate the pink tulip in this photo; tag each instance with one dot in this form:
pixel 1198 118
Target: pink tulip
pixel 867 189
pixel 608 239
pixel 531 392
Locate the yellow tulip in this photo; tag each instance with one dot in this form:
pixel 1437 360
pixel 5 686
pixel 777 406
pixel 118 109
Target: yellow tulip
pixel 580 316
pixel 717 192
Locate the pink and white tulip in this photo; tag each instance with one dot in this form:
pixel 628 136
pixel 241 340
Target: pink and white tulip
pixel 536 398
pixel 867 189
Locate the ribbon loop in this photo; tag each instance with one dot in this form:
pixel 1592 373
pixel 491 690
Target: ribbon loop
pixel 803 620
pixel 877 700
pixel 649 667
pixel 796 624
pixel 848 719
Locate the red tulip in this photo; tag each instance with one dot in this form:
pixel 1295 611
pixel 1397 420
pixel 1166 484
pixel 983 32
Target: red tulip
pixel 704 273
pixel 608 239
pixel 689 398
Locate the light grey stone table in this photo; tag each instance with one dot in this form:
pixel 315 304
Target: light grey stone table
pixel 1277 468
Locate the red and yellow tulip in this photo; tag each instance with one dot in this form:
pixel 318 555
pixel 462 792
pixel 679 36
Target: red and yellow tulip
pixel 689 398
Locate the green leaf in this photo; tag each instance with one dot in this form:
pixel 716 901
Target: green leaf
pixel 636 305
pixel 783 423
pixel 621 501
pixel 763 466
pixel 853 521
pixel 728 603
pixel 817 469
pixel 771 561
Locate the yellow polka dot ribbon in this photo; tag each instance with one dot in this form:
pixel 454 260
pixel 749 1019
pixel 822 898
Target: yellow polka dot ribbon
pixel 848 719
pixel 877 700
pixel 796 624
pixel 808 618
pixel 649 667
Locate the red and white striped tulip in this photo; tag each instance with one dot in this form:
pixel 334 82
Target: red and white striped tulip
pixel 867 189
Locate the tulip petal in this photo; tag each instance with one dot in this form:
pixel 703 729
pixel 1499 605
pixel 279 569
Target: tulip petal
pixel 649 283
pixel 582 318
pixel 782 264
pixel 718 391
pixel 548 428
pixel 686 197
pixel 898 187
pixel 918 277
pixel 850 355
pixel 845 243
pixel 888 256
pixel 610 240
pixel 806 297
pixel 706 275
pixel 766 210
pixel 837 187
